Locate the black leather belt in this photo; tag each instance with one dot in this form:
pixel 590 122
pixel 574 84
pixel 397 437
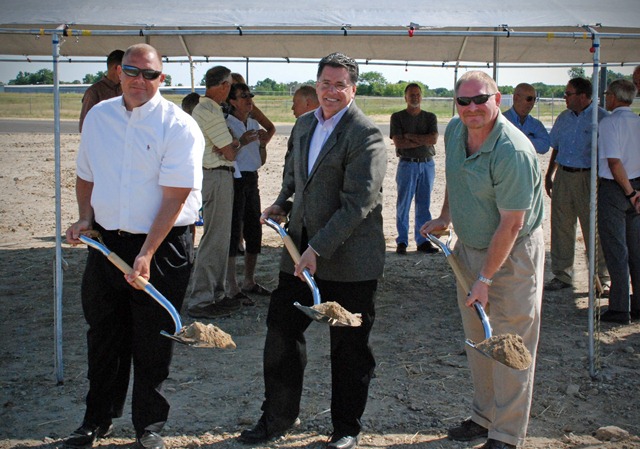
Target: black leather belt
pixel 221 167
pixel 574 169
pixel 176 230
pixel 634 180
pixel 416 159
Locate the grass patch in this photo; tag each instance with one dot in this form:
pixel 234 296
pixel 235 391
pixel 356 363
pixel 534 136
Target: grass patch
pixel 277 108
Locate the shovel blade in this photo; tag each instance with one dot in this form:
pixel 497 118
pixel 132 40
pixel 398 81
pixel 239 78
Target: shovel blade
pixel 188 341
pixel 471 344
pixel 320 317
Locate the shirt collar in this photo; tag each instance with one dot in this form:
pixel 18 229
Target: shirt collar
pixel 148 106
pixel 333 121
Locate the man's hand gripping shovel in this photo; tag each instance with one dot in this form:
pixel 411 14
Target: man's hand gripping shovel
pixel 355 319
pixel 180 331
pixel 459 274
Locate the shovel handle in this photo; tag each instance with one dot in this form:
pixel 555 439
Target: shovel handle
pixel 139 281
pixel 126 269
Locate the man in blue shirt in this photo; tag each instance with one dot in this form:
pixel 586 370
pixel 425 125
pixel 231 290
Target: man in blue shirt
pixel 570 188
pixel 524 98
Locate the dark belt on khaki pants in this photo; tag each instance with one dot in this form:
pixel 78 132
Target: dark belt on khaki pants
pixel 221 167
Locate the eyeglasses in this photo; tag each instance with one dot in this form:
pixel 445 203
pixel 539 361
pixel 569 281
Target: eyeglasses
pixel 530 98
pixel 148 74
pixel 339 87
pixel 568 94
pixel 245 95
pixel 478 99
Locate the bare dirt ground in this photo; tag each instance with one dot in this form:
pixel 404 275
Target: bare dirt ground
pixel 422 385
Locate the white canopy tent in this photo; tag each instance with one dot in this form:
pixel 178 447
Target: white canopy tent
pixel 491 32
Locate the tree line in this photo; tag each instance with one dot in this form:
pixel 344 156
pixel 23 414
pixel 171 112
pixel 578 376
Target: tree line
pixel 372 84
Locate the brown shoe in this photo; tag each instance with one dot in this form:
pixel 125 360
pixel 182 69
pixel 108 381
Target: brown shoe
pixel 468 430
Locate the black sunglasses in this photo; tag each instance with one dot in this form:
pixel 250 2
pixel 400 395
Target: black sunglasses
pixel 147 74
pixel 530 98
pixel 245 95
pixel 478 99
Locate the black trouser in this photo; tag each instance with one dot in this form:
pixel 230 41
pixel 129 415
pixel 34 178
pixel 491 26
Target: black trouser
pixel 125 324
pixel 245 220
pixel 285 358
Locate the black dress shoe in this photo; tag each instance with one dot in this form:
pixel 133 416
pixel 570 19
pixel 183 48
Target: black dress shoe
pixel 467 430
pixel 612 316
pixel 345 442
pixel 427 247
pixel 85 435
pixel 149 440
pixel 495 444
pixel 260 433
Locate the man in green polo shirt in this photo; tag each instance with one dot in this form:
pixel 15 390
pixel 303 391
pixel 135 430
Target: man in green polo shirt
pixel 494 200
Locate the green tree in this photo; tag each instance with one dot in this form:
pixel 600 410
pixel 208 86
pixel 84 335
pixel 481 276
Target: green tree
pixel 576 72
pixel 372 84
pixel 442 92
pixel 167 80
pixel 269 85
pixel 91 79
pixel 42 76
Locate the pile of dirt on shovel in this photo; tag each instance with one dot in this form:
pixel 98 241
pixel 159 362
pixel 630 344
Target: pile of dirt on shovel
pixel 508 349
pixel 207 335
pixel 334 310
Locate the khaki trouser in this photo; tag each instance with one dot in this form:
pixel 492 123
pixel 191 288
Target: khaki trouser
pixel 502 396
pixel 207 283
pixel 570 203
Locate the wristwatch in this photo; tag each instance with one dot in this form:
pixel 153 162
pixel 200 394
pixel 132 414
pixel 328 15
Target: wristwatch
pixel 631 195
pixel 485 280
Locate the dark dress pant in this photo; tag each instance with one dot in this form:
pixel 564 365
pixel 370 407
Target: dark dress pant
pixel 124 328
pixel 285 358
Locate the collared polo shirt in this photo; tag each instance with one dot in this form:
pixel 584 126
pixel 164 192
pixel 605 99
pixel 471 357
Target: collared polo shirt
pixel 210 118
pixel 503 174
pixel 130 155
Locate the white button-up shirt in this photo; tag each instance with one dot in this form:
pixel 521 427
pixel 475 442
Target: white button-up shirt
pixel 130 156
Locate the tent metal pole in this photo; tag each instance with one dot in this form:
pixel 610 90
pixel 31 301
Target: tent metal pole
pixel 592 204
pixel 59 368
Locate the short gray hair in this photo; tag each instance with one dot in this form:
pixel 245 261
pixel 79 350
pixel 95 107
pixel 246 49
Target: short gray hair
pixel 624 90
pixel 216 76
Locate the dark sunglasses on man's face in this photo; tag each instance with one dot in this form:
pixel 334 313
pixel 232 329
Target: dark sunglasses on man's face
pixel 246 95
pixel 148 74
pixel 478 99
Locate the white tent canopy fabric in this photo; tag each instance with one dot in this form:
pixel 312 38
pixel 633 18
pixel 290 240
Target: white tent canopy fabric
pixel 491 32
pixel 364 29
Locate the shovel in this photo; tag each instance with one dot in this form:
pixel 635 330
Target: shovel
pixel 312 313
pixel 151 291
pixel 488 333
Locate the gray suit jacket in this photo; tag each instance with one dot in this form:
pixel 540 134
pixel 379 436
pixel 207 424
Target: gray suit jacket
pixel 340 201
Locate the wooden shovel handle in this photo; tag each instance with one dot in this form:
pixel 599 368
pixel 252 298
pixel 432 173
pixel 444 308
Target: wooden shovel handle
pixel 126 269
pixel 291 247
pixel 459 272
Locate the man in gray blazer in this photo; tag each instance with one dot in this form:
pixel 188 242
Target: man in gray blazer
pixel 332 188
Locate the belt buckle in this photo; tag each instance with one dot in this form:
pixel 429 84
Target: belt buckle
pixel 122 233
